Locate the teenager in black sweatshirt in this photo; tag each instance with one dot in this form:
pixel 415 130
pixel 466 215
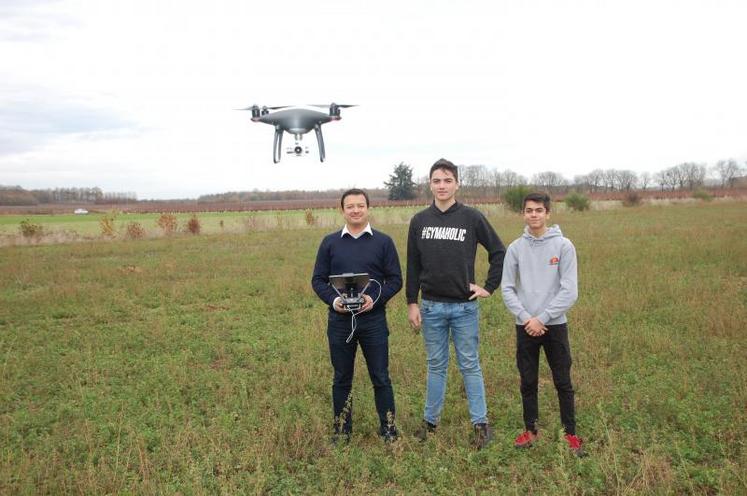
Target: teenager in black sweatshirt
pixel 441 249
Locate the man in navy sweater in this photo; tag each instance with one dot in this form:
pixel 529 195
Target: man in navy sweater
pixel 357 248
pixel 441 249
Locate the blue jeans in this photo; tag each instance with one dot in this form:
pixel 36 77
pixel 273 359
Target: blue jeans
pixel 438 319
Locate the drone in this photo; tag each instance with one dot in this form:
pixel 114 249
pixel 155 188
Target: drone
pixel 296 120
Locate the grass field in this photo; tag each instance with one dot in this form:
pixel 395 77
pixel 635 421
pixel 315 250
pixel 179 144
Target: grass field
pixel 63 228
pixel 199 365
pixel 68 228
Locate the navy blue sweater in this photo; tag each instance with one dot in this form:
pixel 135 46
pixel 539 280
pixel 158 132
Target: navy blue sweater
pixel 374 254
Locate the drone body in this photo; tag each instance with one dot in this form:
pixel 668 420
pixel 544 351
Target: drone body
pixel 296 120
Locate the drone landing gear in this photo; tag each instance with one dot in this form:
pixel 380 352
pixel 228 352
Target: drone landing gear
pixel 320 141
pixel 277 145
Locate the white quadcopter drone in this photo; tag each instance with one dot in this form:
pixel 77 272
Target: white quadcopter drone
pixel 296 120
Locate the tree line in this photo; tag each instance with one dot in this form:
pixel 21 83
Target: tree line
pixel 288 195
pixel 481 181
pixel 16 195
pixel 476 181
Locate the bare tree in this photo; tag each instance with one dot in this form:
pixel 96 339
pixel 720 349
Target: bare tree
pixel 581 183
pixel 728 171
pixel 644 180
pixel 609 179
pixel 596 179
pixel 496 179
pixel 511 179
pixel 661 179
pixel 626 180
pixel 549 180
pixel 474 179
pixel 675 177
pixel 691 175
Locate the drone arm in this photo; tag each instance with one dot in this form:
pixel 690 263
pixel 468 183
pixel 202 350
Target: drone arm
pixel 277 145
pixel 320 141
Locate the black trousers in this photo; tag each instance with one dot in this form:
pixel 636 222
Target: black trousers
pixel 558 353
pixel 372 334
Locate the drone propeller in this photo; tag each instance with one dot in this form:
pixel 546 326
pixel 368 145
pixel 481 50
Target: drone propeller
pixel 264 107
pixel 327 105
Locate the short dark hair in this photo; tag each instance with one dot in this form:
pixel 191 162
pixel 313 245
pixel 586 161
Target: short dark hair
pixel 538 197
pixel 353 191
pixel 444 164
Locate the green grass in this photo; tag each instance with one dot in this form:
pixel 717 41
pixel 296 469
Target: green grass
pixel 199 365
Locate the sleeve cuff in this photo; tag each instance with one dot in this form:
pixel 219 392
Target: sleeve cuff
pixel 544 317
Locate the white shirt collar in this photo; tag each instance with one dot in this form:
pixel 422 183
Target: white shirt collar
pixel 367 229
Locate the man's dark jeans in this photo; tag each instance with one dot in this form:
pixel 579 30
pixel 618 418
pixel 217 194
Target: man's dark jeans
pixel 372 334
pixel 558 353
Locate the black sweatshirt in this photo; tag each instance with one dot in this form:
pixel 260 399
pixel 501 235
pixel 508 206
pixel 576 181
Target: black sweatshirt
pixel 441 249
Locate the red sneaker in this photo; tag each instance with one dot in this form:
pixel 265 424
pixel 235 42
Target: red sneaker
pixel 525 439
pixel 575 443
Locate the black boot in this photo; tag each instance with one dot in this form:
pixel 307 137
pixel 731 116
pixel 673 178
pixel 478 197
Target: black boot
pixel 425 429
pixel 483 435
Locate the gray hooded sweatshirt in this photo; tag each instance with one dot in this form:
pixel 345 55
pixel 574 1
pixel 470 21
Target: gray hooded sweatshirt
pixel 540 277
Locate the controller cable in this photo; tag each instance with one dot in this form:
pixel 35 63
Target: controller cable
pixel 354 314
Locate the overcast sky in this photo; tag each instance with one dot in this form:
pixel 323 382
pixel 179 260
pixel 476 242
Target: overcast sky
pixel 140 95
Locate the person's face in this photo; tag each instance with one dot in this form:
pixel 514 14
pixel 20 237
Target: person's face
pixel 443 185
pixel 535 215
pixel 355 211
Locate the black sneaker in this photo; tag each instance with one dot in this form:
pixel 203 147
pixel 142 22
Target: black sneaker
pixel 389 433
pixel 483 435
pixel 425 429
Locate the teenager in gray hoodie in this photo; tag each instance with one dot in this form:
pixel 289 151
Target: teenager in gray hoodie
pixel 539 285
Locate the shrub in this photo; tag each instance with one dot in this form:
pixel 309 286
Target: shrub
pixel 309 217
pixel 135 230
pixel 193 224
pixel 29 230
pixel 514 197
pixel 167 223
pixel 702 194
pixel 632 199
pixel 106 223
pixel 577 202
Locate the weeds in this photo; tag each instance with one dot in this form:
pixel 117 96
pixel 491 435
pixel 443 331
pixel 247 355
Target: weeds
pixel 135 230
pixel 632 199
pixel 30 230
pixel 309 217
pixel 168 223
pixel 251 222
pixel 106 224
pixel 193 225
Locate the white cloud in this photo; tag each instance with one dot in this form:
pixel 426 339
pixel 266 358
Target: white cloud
pixel 531 86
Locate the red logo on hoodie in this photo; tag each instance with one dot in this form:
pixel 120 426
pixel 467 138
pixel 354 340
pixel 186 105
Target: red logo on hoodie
pixel 554 261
